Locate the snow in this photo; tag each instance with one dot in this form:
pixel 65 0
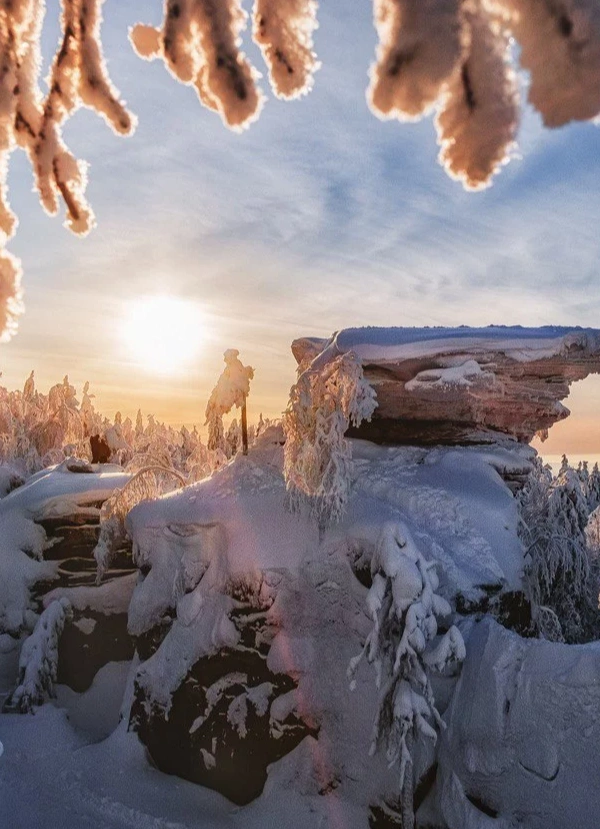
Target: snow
pixel 57 492
pixel 522 730
pixel 467 373
pixel 52 493
pixel 231 535
pixel 518 343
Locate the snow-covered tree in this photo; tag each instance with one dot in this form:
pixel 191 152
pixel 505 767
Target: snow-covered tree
pixel 232 389
pixel 560 580
pixel 38 662
pixel 323 403
pixel 453 56
pixel 148 483
pixel 593 489
pixel 404 647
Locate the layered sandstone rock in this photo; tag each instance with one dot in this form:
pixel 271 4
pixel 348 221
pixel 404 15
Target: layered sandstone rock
pixel 463 385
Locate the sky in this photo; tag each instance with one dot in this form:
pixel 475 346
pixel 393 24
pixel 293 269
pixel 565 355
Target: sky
pixel 319 217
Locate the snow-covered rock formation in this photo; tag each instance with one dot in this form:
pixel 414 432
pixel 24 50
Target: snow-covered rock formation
pixel 463 385
pixel 523 731
pixel 247 618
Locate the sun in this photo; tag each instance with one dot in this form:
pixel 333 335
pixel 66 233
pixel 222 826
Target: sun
pixel 164 334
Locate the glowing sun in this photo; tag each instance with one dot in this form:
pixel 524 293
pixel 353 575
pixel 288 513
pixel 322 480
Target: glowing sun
pixel 163 333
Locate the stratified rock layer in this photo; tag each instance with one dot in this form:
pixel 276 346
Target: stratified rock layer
pixel 463 385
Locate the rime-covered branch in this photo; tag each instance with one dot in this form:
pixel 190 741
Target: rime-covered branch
pixel 283 29
pixel 479 112
pixel 420 44
pixel 78 77
pixel 199 43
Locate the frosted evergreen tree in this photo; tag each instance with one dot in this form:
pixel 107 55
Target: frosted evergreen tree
pixel 593 491
pixel 561 584
pixel 232 389
pixel 38 661
pixel 404 648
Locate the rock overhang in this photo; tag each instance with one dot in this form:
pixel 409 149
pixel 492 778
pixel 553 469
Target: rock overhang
pixel 462 385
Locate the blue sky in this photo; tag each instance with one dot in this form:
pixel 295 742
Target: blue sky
pixel 318 217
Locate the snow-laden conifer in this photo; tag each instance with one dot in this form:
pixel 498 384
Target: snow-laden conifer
pixel 38 662
pixel 232 389
pixel 560 580
pixel 403 646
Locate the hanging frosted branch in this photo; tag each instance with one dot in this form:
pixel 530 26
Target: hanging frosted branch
pixel 478 119
pixel 420 44
pixel 78 78
pixel 199 43
pixel 560 46
pixel 317 456
pixel 11 294
pixel 284 31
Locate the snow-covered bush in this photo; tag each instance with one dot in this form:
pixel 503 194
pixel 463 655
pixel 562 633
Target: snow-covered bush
pixel 38 662
pixel 232 389
pixel 323 403
pixel 403 646
pixel 560 581
pixel 150 482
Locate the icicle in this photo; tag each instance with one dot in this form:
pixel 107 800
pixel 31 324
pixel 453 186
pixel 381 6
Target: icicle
pixel 283 29
pixel 199 42
pixel 478 118
pixel 421 42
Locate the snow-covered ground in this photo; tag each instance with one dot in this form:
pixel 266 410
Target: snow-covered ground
pixel 229 543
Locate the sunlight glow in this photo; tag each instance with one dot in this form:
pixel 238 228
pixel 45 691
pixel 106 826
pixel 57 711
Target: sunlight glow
pixel 163 333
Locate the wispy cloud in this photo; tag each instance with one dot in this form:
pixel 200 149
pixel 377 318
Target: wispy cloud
pixel 320 216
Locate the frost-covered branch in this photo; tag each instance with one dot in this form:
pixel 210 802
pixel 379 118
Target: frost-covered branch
pixel 29 120
pixel 478 115
pixel 199 43
pixel 453 56
pixel 38 663
pixel 420 44
pixel 283 29
pixel 323 403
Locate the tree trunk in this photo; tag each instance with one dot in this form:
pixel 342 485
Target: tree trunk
pixel 407 795
pixel 244 429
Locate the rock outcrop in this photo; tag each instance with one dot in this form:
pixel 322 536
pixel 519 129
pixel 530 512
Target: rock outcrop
pixel 463 385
